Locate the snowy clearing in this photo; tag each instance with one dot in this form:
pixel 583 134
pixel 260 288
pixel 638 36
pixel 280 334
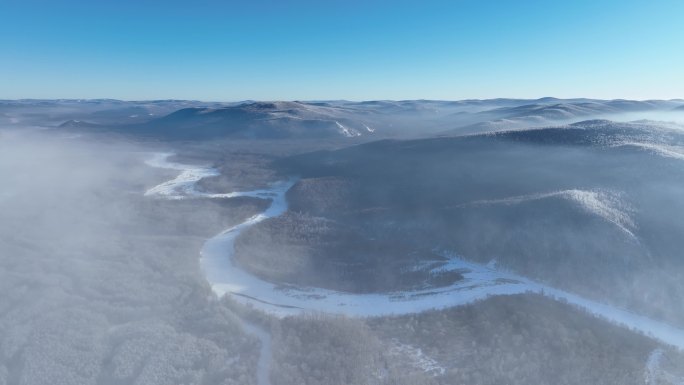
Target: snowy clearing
pixel 608 205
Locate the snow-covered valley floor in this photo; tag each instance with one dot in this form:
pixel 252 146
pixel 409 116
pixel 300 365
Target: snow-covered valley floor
pixel 480 281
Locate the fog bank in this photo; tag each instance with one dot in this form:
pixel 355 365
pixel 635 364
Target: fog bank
pixel 100 284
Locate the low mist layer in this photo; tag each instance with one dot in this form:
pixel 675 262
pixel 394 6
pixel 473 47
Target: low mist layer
pixel 100 285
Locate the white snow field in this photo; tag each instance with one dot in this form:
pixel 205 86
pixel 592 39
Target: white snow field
pixel 605 204
pixel 675 152
pixel 655 374
pixel 418 359
pixel 480 281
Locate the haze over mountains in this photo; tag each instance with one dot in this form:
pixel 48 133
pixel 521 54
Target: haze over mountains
pixel 194 120
pixel 389 242
pixel 341 193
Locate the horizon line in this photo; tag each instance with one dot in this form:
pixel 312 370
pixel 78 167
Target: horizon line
pixel 333 100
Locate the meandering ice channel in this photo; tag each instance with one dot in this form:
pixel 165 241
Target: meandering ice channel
pixel 479 282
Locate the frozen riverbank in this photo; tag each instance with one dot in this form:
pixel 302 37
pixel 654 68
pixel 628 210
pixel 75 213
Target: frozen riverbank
pixel 480 281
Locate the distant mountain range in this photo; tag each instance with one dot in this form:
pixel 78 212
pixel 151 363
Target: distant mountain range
pixel 195 120
pixel 268 120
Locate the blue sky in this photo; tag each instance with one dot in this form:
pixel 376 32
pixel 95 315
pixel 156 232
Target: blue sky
pixel 357 50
